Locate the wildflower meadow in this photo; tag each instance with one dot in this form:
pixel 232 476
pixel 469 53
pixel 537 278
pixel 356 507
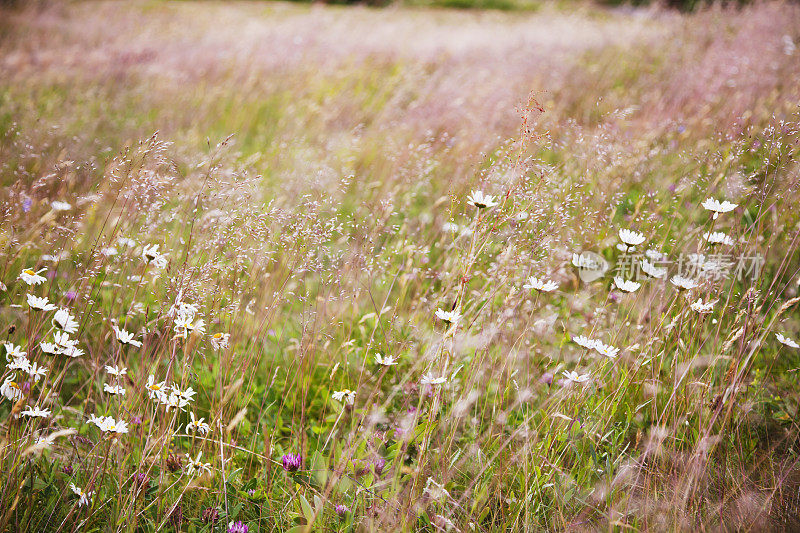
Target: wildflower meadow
pixel 298 267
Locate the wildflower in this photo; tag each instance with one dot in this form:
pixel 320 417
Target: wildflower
pixel 125 337
pixel 540 285
pixel 107 424
pixel 36 372
pixel 42 304
pixel 787 341
pixel 50 348
pixel 481 201
pixel 387 360
pixel 430 379
pixel 626 285
pixel 13 352
pixel 380 464
pixel 151 255
pixel 20 362
pixel 237 527
pixel 65 321
pixel 345 396
pixel 606 349
pixel 653 271
pixel 341 510
pixel 116 371
pixel 450 317
pixel 35 412
pixel 718 237
pixel 586 342
pixel 716 207
pixel 574 377
pixel 703 308
pixel 10 389
pixel 188 394
pixel 72 351
pixel 220 340
pixel 198 425
pixel 153 388
pixel 172 400
pixel 683 283
pixel 114 389
pixel 654 255
pixel 196 466
pixel 292 462
pixel 185 324
pixel 630 239
pixel 58 205
pixel 124 241
pixel 32 278
pixel 84 498
pixel 109 251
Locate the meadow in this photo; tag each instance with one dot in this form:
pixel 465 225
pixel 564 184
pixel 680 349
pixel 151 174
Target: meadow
pixel 284 267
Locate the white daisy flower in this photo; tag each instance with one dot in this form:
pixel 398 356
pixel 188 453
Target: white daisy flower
pixel 387 360
pixel 125 337
pixel 114 389
pixel 574 377
pixel 703 308
pixel 42 304
pixel 152 256
pixel 154 388
pixel 184 325
pixel 652 270
pixel 32 278
pixel 451 317
pixel 19 362
pixel 345 396
pixel 586 342
pixel 606 349
pixel 124 241
pixel 13 352
pixel 35 412
pixel 684 283
pixel 72 351
pixel 107 424
pixel 198 425
pixel 50 348
pixel 36 372
pixel 84 498
pixel 109 251
pixel 718 237
pixel 430 379
pixel 58 205
pixel 196 466
pixel 630 239
pixel 787 341
pixel 540 285
pixel 220 340
pixel 716 207
pixel 481 201
pixel 655 255
pixel 65 321
pixel 626 285
pixel 116 371
pixel 10 389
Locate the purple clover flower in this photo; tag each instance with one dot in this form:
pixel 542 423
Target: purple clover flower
pixel 292 462
pixel 342 510
pixel 238 527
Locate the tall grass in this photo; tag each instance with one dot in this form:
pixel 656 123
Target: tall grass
pixel 335 331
